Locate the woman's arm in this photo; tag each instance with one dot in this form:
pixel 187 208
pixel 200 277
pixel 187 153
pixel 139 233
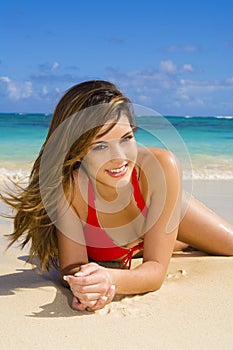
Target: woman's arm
pixel 72 251
pixel 71 254
pixel 161 233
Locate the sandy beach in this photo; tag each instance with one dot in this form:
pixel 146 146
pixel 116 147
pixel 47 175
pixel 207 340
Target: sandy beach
pixel 192 310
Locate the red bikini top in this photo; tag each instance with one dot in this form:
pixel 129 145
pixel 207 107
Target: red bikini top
pixel 100 246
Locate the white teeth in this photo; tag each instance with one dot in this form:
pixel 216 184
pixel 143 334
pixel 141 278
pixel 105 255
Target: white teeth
pixel 115 171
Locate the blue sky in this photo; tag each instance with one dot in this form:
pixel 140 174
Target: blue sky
pixel 173 56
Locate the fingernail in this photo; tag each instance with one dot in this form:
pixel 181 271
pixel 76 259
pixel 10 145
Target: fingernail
pixel 104 298
pixel 65 278
pixel 113 287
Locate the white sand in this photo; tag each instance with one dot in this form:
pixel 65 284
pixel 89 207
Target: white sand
pixel 192 310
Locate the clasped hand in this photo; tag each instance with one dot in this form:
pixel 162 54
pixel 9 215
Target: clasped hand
pixel 91 286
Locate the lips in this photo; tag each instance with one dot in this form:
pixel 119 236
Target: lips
pixel 120 171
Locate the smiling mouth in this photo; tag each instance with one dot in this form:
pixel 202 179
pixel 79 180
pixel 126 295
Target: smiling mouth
pixel 118 171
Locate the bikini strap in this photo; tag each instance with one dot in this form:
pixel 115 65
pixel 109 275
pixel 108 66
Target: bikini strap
pixel 137 194
pixel 91 215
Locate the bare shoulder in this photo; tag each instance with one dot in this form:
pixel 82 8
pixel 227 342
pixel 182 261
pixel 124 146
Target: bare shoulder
pixel 160 171
pixel 153 158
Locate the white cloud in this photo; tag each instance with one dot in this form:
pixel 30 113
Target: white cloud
pixel 44 90
pixel 55 65
pixel 187 68
pixel 47 67
pixel 167 67
pixel 17 90
pixel 5 79
pixel 229 81
pixel 144 98
pixel 166 88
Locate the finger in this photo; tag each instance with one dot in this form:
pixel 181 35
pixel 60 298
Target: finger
pixel 81 279
pixel 104 300
pixel 111 293
pixel 80 305
pixel 94 280
pixel 67 278
pixel 74 280
pixel 77 305
pixel 85 293
pixel 87 269
pixel 101 302
pixel 88 305
pixel 86 298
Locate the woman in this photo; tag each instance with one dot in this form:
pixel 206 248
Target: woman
pixel 95 196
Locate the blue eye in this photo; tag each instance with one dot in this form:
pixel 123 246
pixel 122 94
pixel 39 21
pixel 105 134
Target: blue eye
pixel 127 138
pixel 99 147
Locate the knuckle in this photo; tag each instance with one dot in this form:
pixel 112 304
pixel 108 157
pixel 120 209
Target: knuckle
pixel 85 280
pixel 93 264
pixel 86 298
pixel 81 289
pixel 103 290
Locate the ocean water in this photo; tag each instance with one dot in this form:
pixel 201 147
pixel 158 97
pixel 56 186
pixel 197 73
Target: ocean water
pixel 204 145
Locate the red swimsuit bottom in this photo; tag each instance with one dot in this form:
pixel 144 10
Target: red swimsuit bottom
pixel 100 246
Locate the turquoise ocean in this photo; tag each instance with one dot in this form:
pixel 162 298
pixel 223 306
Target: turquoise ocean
pixel 204 145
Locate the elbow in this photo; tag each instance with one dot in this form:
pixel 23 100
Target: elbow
pixel 157 276
pixel 156 285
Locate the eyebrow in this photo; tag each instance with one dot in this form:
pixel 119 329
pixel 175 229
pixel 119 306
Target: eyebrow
pixel 126 134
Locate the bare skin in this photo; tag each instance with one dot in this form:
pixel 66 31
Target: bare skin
pixel 203 229
pixel 94 286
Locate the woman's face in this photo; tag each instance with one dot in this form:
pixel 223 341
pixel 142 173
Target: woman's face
pixel 111 157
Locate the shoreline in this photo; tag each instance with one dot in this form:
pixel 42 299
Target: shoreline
pixel 197 167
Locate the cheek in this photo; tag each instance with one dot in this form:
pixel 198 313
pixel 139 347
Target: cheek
pixel 131 151
pixel 93 162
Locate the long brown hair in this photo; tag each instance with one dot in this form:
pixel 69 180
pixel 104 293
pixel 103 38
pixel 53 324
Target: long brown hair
pixel 74 118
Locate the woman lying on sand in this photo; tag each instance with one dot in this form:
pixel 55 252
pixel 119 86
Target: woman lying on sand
pixel 95 196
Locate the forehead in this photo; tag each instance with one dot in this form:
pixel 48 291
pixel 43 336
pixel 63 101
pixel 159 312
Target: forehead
pixel 118 130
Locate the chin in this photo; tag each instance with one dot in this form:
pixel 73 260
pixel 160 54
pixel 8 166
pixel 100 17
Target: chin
pixel 123 181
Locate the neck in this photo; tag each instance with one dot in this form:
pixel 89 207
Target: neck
pixel 110 199
pixel 111 194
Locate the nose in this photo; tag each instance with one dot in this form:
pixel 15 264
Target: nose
pixel 117 151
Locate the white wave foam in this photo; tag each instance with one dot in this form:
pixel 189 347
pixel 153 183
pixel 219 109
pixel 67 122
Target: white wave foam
pixel 197 173
pixel 13 175
pixel 217 117
pixel 224 117
pixel 208 175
